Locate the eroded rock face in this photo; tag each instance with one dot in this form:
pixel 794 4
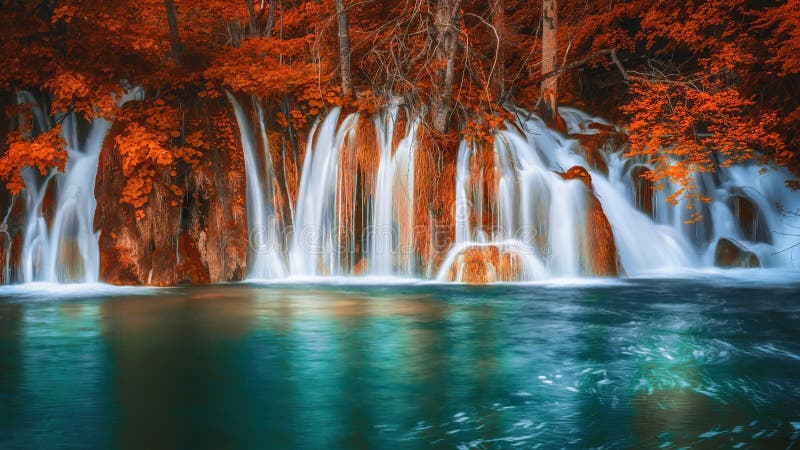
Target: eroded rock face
pixel 605 138
pixel 486 264
pixel 731 254
pixel 602 247
pixel 199 236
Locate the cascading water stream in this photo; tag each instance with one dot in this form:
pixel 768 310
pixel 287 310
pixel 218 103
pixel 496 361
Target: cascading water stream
pixel 73 224
pixel 67 249
pixel 265 260
pixel 544 215
pixel 314 246
pixel 391 231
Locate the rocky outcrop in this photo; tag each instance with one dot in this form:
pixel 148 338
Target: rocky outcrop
pixel 732 254
pixel 434 205
pixel 194 228
pixel 604 260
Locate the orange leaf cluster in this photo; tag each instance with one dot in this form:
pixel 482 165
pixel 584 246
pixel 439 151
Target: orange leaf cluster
pixel 42 152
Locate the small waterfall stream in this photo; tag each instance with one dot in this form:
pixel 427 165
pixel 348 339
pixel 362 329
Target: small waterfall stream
pixel 264 259
pixel 66 250
pixel 314 249
pixel 391 232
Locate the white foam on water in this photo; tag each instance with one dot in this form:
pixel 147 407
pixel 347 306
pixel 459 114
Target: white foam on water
pixel 43 290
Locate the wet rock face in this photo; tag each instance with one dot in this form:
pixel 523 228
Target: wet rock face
pixel 730 254
pixel 750 221
pixel 602 247
pixel 197 237
pixel 642 189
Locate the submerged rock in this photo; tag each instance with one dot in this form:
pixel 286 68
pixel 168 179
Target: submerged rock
pixel 731 254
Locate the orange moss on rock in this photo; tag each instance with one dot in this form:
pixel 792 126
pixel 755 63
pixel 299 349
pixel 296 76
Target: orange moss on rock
pixel 486 264
pixel 483 169
pixel 192 227
pixel 605 139
pixel 358 168
pixel 282 199
pixel 434 196
pixel 400 127
pixel 367 152
pixel 360 268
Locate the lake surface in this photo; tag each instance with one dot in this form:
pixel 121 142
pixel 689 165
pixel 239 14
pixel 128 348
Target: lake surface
pixel 658 363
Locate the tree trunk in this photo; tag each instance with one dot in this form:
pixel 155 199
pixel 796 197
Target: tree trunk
pixel 446 32
pixel 270 17
pixel 499 24
pixel 174 37
pixel 549 86
pixel 344 48
pixel 251 11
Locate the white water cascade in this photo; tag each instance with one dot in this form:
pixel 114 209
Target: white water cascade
pixel 315 242
pixel 67 249
pixel 543 214
pixel 536 215
pixel 264 258
pixel 524 210
pixel 391 235
pixel 59 243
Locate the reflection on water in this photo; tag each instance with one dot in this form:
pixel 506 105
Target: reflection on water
pixel 647 364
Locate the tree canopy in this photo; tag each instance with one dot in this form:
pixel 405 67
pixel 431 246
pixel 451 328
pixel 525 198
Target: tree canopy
pixel 695 83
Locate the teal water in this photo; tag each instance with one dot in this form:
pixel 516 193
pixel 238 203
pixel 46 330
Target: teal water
pixel 639 364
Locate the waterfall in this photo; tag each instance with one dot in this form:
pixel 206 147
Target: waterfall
pixel 74 218
pixel 538 219
pixel 520 218
pixel 315 240
pixel 265 260
pixel 391 233
pixel 66 249
pixel 544 217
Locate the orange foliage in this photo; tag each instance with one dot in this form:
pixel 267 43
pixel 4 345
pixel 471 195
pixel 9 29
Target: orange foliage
pixel 689 126
pixel 41 152
pixel 701 87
